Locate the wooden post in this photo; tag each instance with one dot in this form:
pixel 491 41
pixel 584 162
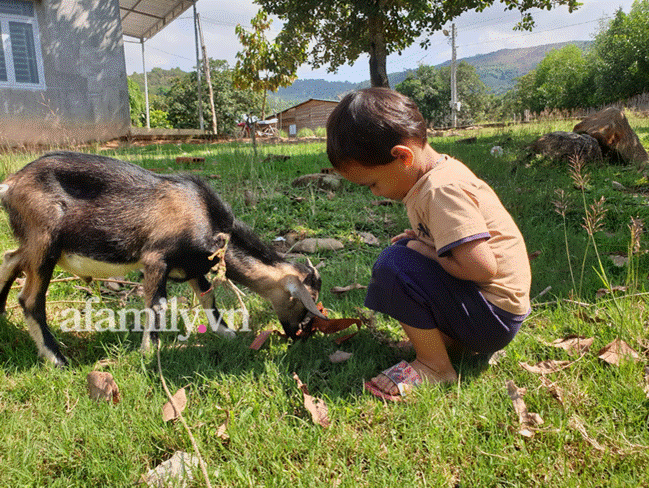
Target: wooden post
pixel 208 78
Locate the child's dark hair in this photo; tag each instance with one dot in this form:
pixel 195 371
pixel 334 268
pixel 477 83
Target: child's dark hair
pixel 367 124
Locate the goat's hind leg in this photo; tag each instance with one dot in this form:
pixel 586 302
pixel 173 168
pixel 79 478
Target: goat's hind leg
pixel 205 293
pixel 32 300
pixel 9 271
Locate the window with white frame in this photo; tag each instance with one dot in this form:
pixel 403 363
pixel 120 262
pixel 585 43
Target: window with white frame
pixel 21 63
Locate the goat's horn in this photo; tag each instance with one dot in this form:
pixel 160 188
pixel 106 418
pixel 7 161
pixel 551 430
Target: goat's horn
pixel 297 290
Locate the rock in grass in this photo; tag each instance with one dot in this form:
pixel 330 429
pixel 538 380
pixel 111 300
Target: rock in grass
pixel 612 131
pixel 316 244
pixel 329 182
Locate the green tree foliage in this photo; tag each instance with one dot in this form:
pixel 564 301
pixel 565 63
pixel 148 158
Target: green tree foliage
pixel 622 49
pixel 230 103
pixel 616 68
pixel 339 31
pixel 263 65
pixel 560 81
pixel 136 103
pixel 430 88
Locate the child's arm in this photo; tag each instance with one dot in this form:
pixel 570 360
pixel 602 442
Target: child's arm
pixel 473 260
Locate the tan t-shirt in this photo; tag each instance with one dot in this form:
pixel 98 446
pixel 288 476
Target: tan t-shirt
pixel 450 205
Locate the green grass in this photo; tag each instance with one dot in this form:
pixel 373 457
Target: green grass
pixel 459 435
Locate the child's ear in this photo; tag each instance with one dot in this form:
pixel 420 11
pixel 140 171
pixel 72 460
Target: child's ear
pixel 403 153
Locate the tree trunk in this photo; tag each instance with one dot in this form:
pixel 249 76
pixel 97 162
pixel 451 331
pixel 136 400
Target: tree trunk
pixel 378 50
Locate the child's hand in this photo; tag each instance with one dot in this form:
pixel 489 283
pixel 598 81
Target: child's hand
pixel 422 248
pixel 406 234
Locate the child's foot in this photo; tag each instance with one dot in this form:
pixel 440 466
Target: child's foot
pixel 426 374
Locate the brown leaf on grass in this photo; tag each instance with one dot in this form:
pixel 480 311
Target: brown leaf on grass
pixel 577 424
pixel 331 326
pixel 345 338
pixel 340 356
pixel 222 431
pixel 584 316
pixel 261 339
pixel 646 380
pixel 339 290
pixel 527 420
pixel 380 203
pixel 546 367
pixel 574 344
pixel 533 255
pixel 102 386
pixel 605 291
pixel 614 352
pixel 369 239
pixel 172 411
pixel 553 388
pixel 316 407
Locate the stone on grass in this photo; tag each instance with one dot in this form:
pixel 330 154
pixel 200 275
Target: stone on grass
pixel 562 146
pixel 612 131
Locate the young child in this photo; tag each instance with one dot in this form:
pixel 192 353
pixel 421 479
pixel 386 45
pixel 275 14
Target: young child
pixel 459 278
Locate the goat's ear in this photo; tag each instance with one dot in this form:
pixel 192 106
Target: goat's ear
pixel 296 288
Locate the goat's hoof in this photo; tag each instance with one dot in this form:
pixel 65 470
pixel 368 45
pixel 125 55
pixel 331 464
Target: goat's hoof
pixel 227 333
pixel 58 360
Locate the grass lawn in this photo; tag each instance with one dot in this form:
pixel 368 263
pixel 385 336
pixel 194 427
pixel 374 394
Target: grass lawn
pixel 595 416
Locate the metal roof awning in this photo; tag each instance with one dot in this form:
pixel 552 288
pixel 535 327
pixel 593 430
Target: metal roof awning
pixel 142 19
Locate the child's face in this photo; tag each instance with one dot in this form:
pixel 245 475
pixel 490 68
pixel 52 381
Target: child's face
pixel 389 180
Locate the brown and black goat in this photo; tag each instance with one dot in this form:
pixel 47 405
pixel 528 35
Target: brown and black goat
pixel 96 216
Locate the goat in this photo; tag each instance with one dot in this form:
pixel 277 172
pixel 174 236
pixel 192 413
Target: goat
pixel 97 217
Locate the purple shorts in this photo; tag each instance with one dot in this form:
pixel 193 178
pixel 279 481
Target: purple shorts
pixel 416 291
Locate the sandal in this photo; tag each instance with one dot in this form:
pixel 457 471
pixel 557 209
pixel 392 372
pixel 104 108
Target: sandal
pixel 403 375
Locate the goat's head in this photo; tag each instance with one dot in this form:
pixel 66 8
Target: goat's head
pixel 295 300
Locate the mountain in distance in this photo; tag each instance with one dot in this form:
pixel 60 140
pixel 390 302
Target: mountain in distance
pixel 498 70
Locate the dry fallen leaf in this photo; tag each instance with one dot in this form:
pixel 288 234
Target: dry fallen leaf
pixel 172 412
pixel 177 471
pixel 646 380
pixel 331 326
pixel 316 407
pixel 261 339
pixel 604 291
pixel 617 350
pixel 102 386
pixel 528 421
pixel 340 356
pixel 553 388
pixel 577 424
pixel 574 344
pixel 369 239
pixel 221 432
pixel 339 290
pixel 546 367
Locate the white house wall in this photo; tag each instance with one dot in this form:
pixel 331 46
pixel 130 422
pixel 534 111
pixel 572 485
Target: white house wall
pixel 85 92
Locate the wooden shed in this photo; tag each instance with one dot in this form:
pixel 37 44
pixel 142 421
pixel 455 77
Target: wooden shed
pixel 310 114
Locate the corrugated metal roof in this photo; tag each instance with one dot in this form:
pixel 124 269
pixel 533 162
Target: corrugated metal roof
pixel 143 19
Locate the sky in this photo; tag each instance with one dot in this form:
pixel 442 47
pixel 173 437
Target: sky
pixel 477 33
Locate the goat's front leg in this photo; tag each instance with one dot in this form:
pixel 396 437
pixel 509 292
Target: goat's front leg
pixel 32 300
pixel 9 271
pixel 155 293
pixel 205 293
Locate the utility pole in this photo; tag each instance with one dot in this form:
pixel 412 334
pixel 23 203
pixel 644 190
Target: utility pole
pixel 208 78
pixel 146 88
pixel 201 123
pixel 454 102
